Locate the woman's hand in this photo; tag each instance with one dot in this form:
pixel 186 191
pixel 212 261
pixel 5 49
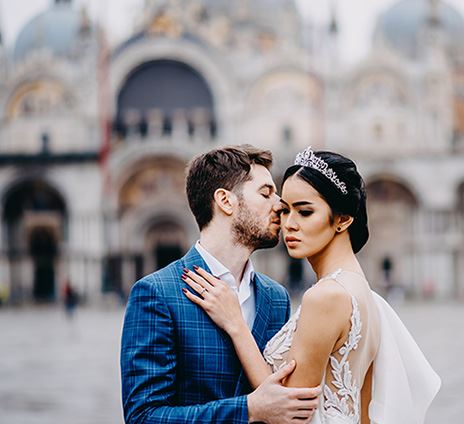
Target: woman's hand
pixel 216 298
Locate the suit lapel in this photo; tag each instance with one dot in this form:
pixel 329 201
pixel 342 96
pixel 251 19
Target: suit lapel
pixel 191 258
pixel 263 315
pixel 263 309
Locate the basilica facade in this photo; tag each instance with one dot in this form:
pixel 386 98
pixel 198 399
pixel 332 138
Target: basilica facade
pixel 94 139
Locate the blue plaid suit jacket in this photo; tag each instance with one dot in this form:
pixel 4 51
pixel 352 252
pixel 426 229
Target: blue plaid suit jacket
pixel 177 366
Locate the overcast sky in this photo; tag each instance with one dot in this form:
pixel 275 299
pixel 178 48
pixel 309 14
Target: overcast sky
pixel 356 17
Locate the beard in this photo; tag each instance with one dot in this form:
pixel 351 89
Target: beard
pixel 248 231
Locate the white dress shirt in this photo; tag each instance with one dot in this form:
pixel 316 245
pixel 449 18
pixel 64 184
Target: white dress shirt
pixel 245 290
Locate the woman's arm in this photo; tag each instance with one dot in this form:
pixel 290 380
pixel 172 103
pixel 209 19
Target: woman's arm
pixel 325 309
pixel 254 365
pixel 220 302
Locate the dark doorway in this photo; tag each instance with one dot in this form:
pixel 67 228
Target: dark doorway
pixel 43 251
pixel 138 263
pixel 295 275
pixel 35 220
pixel 112 274
pixel 165 254
pixel 164 243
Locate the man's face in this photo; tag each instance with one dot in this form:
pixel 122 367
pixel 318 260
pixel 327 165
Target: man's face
pixel 256 222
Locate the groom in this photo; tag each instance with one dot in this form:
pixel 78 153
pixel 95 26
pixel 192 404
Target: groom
pixel 176 365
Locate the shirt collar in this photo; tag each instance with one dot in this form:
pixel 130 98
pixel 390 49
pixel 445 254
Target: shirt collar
pixel 219 270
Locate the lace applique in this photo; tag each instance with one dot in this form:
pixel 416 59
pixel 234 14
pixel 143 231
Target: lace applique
pixel 345 401
pixel 348 391
pixel 281 342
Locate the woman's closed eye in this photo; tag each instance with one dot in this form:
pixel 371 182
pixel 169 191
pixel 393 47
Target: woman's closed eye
pixel 305 213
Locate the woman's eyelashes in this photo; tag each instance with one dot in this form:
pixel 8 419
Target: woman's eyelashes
pixel 304 213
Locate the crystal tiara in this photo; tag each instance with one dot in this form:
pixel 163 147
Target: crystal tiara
pixel 309 159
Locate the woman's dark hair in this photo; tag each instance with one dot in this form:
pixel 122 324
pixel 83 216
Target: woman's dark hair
pixel 353 203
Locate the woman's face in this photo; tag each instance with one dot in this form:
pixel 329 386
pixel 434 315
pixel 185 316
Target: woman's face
pixel 306 219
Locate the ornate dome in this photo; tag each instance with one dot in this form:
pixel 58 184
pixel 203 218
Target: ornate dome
pixel 403 23
pixel 56 29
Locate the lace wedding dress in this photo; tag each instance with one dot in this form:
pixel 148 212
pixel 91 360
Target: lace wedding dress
pixel 404 384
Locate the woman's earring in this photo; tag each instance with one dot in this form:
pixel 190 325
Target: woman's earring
pixel 339 229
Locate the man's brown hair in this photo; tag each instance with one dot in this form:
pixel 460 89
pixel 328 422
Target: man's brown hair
pixel 226 167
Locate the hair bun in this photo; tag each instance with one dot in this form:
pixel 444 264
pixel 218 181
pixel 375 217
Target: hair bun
pixel 359 229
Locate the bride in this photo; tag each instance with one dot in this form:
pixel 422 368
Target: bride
pixel 343 336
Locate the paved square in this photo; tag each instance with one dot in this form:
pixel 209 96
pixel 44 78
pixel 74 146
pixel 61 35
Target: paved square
pixel 55 370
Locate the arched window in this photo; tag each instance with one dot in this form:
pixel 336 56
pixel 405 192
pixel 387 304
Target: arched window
pixel 164 96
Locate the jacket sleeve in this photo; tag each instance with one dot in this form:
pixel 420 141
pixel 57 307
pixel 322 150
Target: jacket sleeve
pixel 148 367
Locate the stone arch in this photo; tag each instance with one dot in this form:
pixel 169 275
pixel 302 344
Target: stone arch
pixel 156 177
pixel 401 181
pixel 124 162
pixel 28 96
pixel 34 219
pixel 17 179
pixel 166 240
pixel 154 222
pixel 391 189
pixel 389 254
pixel 136 223
pixel 192 54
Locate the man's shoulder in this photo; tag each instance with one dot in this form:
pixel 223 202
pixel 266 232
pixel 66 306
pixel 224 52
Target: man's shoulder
pixel 163 279
pixel 275 287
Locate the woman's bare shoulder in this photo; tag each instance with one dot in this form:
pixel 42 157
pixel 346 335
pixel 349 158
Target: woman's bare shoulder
pixel 327 297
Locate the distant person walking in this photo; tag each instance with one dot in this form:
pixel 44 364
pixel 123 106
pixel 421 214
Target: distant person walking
pixel 70 299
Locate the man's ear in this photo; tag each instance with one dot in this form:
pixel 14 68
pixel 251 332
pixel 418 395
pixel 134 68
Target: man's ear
pixel 225 200
pixel 342 222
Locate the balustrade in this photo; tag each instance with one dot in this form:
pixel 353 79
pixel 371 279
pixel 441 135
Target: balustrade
pixel 193 125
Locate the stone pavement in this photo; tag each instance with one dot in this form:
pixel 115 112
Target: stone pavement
pixel 54 370
pixel 57 371
pixel 438 330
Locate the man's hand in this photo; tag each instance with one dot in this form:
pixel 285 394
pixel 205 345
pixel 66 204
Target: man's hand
pixel 273 403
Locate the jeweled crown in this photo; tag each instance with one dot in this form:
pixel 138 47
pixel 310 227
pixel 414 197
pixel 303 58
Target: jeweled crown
pixel 309 159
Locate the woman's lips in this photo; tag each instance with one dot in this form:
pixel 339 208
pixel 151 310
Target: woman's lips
pixel 291 241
